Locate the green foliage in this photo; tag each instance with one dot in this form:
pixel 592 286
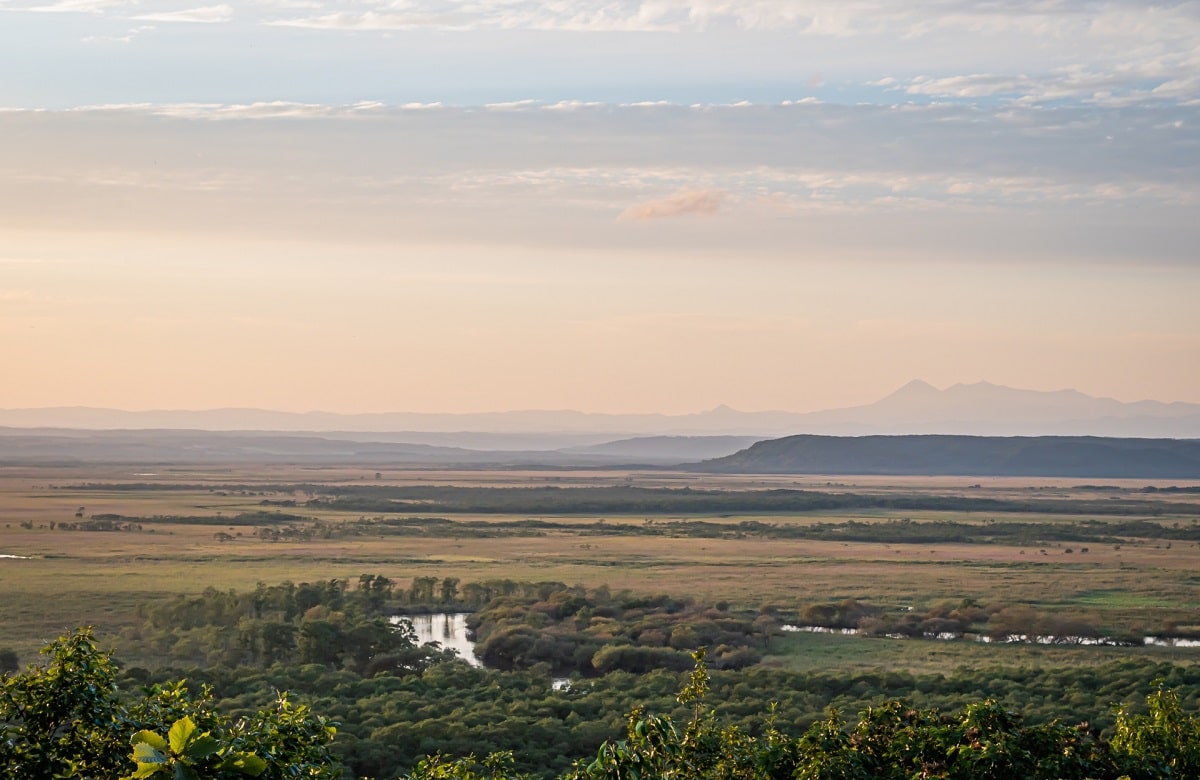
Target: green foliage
pixel 983 740
pixel 327 623
pixel 655 747
pixel 188 754
pixel 67 720
pixel 62 720
pixel 573 629
pixel 1163 743
pixel 387 724
pixel 898 742
pixel 496 766
pixel 287 741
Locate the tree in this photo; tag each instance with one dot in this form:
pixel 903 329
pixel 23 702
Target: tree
pixel 1163 743
pixel 449 593
pixel 65 720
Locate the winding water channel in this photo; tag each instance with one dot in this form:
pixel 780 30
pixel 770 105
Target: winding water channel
pixel 1104 641
pixel 449 629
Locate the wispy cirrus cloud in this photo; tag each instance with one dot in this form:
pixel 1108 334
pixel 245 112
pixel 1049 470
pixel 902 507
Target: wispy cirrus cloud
pixel 1113 52
pixel 1093 182
pixel 209 14
pixel 1042 18
pixel 1125 86
pixel 75 6
pixel 1101 52
pixel 274 109
pixel 127 37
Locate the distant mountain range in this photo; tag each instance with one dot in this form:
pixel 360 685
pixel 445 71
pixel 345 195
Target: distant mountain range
pixel 986 409
pixel 975 409
pixel 65 447
pixel 1044 456
pixel 1017 456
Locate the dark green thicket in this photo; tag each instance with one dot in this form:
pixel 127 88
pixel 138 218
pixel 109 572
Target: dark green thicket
pixel 69 719
pixel 79 716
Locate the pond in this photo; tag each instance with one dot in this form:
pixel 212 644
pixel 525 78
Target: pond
pixel 449 629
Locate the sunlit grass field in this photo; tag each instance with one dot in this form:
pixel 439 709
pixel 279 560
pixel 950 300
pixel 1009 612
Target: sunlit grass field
pixel 72 578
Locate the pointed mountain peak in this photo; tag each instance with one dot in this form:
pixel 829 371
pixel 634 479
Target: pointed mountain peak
pixel 978 388
pixel 915 387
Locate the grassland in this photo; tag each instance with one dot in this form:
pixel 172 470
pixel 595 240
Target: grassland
pixel 75 577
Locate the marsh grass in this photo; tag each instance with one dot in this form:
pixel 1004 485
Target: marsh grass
pixel 101 578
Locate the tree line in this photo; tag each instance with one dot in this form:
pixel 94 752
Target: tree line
pixel 77 717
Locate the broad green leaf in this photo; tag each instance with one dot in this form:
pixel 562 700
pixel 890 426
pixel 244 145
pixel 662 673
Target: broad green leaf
pixel 181 735
pixel 149 738
pixel 145 753
pixel 245 763
pixel 185 772
pixel 202 747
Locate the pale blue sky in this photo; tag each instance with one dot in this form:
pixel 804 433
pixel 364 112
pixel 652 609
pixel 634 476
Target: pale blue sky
pixel 78 52
pixel 608 205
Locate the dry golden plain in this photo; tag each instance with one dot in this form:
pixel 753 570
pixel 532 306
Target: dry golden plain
pixel 67 578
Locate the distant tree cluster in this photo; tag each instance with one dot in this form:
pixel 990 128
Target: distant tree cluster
pixel 574 629
pixel 329 623
pixel 949 619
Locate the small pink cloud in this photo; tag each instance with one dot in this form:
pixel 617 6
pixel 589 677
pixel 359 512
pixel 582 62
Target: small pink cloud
pixel 684 202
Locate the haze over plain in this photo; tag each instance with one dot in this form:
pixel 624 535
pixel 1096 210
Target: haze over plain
pixel 606 206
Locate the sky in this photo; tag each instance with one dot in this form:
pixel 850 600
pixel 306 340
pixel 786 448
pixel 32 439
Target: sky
pixel 603 205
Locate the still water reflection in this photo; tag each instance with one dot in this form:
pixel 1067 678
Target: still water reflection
pixel 449 629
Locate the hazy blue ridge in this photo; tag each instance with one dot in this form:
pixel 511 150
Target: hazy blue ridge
pixel 1039 456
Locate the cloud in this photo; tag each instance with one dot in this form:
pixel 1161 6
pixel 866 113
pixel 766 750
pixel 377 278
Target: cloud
pixel 374 20
pixel 573 105
pixel 128 37
pixel 290 4
pixel 768 174
pixel 512 105
pixel 1126 84
pixel 209 14
pixel 1130 19
pixel 686 201
pixel 77 6
pixel 276 109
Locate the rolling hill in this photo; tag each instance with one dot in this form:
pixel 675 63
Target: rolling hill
pixel 1039 456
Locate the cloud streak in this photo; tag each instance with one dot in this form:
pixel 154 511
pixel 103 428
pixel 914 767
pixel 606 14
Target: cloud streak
pixel 1152 23
pixel 682 203
pixel 76 6
pixel 1109 53
pixel 1079 182
pixel 209 14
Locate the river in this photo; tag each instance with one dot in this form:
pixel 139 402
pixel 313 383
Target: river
pixel 1106 641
